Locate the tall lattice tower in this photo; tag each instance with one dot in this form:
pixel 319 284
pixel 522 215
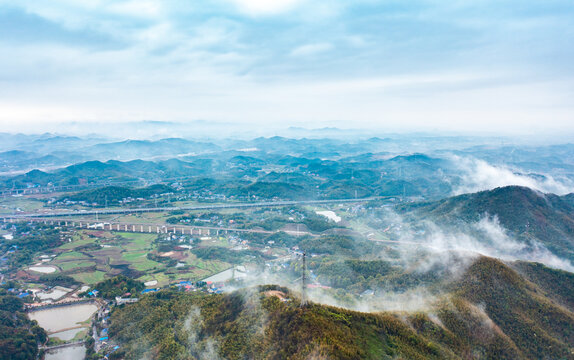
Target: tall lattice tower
pixel 304 281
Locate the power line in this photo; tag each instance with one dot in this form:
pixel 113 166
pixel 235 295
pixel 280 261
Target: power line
pixel 304 281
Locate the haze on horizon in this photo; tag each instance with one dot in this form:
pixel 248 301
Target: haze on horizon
pixel 424 65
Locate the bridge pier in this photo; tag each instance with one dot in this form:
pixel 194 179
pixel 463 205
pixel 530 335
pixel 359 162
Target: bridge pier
pixel 149 229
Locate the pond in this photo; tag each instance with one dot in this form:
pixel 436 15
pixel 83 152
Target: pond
pixel 59 321
pixel 64 323
pixel 43 269
pixel 75 352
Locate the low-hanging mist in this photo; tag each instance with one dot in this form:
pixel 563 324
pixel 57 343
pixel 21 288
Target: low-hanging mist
pixel 477 175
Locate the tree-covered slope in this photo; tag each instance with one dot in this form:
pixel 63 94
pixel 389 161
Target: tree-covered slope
pixel 490 312
pixel 19 336
pixel 114 194
pixel 537 325
pixel 528 214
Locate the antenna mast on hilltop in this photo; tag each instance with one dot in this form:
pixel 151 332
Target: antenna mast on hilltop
pixel 303 281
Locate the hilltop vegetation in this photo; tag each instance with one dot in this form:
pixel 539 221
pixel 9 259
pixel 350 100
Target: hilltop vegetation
pixel 118 286
pixel 112 195
pixel 490 312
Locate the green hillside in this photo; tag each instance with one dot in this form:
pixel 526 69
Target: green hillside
pixel 490 312
pixel 113 194
pixel 528 214
pixel 19 336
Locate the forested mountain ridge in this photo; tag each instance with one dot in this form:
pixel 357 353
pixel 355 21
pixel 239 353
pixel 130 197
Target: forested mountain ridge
pixel 529 215
pixel 491 311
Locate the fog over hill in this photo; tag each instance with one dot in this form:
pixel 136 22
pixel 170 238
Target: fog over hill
pixel 444 248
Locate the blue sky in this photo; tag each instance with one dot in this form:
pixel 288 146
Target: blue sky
pixel 456 65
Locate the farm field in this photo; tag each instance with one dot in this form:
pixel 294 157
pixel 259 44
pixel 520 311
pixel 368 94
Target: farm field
pixel 94 255
pixel 90 278
pixel 14 204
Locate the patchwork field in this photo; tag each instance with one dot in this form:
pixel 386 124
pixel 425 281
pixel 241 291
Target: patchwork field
pixel 94 255
pixel 90 278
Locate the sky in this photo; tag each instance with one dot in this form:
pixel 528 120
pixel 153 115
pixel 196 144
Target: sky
pixel 432 65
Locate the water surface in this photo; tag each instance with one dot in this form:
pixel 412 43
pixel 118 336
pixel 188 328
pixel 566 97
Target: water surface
pixel 65 317
pixel 77 352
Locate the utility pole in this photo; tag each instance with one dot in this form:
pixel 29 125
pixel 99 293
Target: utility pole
pixel 304 281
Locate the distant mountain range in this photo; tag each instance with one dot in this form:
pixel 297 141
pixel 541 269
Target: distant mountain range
pixel 298 176
pixel 415 156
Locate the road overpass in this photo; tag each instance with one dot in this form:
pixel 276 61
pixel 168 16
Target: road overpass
pixel 152 228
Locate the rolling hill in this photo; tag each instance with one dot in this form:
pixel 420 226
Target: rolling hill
pixel 493 311
pixel 530 216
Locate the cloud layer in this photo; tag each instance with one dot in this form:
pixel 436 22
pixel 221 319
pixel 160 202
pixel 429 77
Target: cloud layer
pixel 478 175
pixel 386 64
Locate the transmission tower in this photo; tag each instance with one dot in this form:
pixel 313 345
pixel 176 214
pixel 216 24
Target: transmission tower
pixel 303 281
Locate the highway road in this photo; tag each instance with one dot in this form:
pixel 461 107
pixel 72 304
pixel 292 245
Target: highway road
pixel 176 208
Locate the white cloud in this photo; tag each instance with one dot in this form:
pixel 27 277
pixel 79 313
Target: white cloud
pixel 139 8
pixel 311 49
pixel 489 239
pixel 265 7
pixel 478 175
pixel 356 41
pixel 143 50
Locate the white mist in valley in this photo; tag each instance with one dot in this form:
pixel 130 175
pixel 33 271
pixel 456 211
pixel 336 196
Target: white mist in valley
pixel 485 237
pixel 478 175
